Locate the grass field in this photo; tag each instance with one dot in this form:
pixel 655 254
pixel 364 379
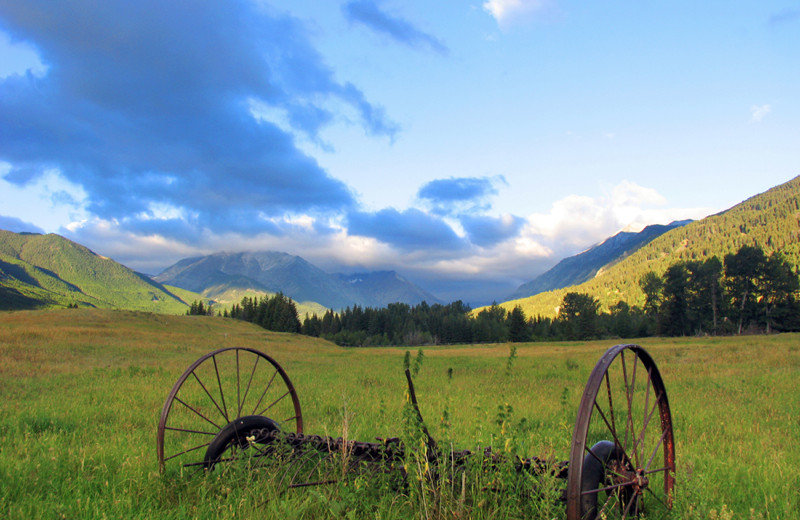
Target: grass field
pixel 81 392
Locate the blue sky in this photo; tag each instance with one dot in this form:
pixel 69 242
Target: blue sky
pixel 467 145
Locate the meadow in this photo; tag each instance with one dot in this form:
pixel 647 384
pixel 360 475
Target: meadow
pixel 81 392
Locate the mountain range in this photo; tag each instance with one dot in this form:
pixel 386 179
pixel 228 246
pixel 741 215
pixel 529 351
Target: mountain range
pixel 52 271
pixel 216 275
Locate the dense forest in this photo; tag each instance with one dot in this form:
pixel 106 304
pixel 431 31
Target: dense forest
pixel 746 292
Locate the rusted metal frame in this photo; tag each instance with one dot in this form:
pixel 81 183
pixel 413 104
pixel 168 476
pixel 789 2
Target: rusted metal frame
pixel 299 463
pixel 366 452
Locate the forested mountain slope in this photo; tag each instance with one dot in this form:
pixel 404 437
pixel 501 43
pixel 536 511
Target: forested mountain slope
pixel 584 266
pixel 49 270
pixel 770 220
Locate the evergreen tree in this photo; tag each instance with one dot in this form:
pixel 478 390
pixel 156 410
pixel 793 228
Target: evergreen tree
pixel 743 271
pixel 674 315
pixel 779 284
pixel 578 314
pixel 517 326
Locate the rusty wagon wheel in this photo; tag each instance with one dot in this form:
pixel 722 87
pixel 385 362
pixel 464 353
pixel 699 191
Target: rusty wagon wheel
pixel 222 408
pixel 622 460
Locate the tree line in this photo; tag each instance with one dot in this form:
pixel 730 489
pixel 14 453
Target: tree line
pixel 747 291
pixel 277 312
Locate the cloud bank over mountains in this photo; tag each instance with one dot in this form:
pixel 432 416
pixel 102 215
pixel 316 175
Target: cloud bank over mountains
pixel 141 127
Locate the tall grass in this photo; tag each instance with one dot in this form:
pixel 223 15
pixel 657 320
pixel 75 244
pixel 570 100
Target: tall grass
pixel 81 392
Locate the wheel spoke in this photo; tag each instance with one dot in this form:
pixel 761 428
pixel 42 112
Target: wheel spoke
pixel 292 418
pixel 610 408
pixel 628 428
pixel 607 488
pixel 646 424
pixel 215 425
pixel 246 390
pixel 659 470
pixel 187 451
pixel 630 410
pixel 601 513
pixel 658 498
pixel 238 392
pixel 274 402
pixel 628 507
pixel 221 393
pixel 658 445
pixel 265 392
pixel 209 394
pixel 185 430
pixel 646 419
pixel 610 427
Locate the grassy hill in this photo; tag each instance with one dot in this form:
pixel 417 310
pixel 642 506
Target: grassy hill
pixel 770 220
pixel 51 271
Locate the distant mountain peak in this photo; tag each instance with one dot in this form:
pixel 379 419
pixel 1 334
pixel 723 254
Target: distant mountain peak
pixel 272 271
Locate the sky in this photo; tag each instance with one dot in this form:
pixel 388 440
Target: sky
pixel 468 145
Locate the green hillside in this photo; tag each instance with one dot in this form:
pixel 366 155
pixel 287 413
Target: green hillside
pixel 51 271
pixel 770 220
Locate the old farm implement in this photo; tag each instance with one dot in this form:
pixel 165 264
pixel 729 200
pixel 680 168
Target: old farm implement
pixel 237 406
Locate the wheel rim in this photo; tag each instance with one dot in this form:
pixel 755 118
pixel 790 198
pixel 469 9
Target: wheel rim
pixel 217 389
pixel 624 403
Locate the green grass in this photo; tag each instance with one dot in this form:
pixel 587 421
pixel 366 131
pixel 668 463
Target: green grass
pixel 81 392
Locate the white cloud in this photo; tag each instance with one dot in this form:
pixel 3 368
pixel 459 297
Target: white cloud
pixel 19 58
pixel 507 11
pixel 577 222
pixel 759 112
pixel 49 201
